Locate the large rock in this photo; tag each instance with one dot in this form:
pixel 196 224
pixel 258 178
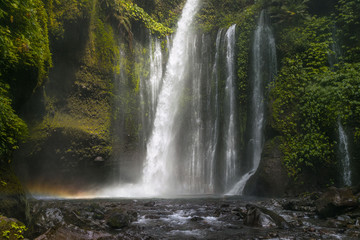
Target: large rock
pixel 13 200
pixel 121 218
pixel 48 218
pixel 270 179
pixel 261 217
pixel 336 201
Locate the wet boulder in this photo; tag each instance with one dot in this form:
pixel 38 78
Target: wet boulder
pixel 45 219
pixel 255 218
pixel 270 179
pixel 120 218
pixel 261 217
pixel 335 201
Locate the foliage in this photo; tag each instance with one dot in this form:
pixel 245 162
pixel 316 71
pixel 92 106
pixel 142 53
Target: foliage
pixel 12 128
pixel 24 61
pixel 23 39
pixel 348 25
pixel 11 229
pixel 124 10
pixel 139 14
pixel 62 12
pixel 309 97
pixel 167 11
pixel 304 144
pixel 221 14
pixel 287 11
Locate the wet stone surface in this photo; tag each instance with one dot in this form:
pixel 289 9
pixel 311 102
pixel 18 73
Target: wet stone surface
pixel 191 218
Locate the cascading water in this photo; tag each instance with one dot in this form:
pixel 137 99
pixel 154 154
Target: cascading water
pixel 263 70
pixel 345 156
pixel 150 88
pixel 230 126
pixel 190 114
pixel 156 72
pixel 213 117
pixel 196 167
pixel 161 149
pixel 193 168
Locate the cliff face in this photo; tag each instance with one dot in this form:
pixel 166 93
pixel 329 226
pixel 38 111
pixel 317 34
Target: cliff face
pixel 74 116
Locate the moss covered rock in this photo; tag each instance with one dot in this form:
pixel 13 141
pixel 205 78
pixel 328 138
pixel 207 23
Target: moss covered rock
pixel 71 123
pixel 13 201
pixel 11 228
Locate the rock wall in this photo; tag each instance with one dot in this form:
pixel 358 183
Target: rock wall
pixel 71 116
pixel 86 116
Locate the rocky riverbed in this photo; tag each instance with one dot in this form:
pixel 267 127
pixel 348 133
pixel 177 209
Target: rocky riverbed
pixel 206 217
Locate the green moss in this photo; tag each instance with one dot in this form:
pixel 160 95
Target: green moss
pixel 138 13
pixel 84 113
pixel 62 12
pixel 11 229
pixel 105 47
pixel 123 11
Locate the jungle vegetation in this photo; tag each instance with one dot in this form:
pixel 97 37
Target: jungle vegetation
pixel 317 86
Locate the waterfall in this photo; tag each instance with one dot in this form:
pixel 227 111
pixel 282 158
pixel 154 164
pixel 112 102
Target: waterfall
pixel 156 72
pixel 345 157
pixel 194 167
pixel 230 126
pixel 150 88
pixel 263 70
pixel 213 117
pixel 160 159
pixel 190 112
pixel 335 54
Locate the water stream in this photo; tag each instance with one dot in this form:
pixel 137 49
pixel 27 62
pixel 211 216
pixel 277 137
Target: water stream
pixel 345 156
pixel 213 119
pixel 334 57
pixel 231 108
pixel 263 70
